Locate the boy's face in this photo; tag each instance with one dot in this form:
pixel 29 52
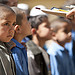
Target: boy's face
pixel 7 27
pixel 44 31
pixel 63 35
pixel 25 27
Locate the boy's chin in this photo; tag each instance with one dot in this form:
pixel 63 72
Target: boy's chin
pixel 68 41
pixel 7 40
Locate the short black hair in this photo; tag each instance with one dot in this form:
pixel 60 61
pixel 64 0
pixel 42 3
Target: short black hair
pixel 4 1
pixel 37 20
pixel 19 15
pixel 56 24
pixel 4 9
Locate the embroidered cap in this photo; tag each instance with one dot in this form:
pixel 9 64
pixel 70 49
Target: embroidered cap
pixel 35 12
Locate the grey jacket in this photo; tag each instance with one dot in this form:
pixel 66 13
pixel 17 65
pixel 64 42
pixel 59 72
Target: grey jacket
pixel 7 66
pixel 37 59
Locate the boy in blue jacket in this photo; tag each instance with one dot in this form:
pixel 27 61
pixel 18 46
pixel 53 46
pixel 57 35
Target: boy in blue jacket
pixel 22 29
pixel 61 63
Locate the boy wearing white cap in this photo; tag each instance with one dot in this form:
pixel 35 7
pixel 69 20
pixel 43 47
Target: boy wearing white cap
pixel 38 59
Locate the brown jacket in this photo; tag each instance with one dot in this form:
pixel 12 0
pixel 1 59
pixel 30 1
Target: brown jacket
pixel 37 59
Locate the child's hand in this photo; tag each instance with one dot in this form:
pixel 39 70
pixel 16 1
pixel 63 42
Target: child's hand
pixel 71 13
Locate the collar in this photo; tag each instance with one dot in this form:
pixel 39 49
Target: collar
pixel 56 47
pixel 11 44
pixel 17 43
pixel 73 30
pixel 33 47
pixel 5 47
pixel 73 34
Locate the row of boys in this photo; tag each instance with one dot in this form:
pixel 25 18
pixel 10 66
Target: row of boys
pixel 40 31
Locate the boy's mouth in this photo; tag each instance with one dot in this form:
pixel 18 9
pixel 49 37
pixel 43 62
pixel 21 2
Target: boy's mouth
pixel 69 39
pixel 9 36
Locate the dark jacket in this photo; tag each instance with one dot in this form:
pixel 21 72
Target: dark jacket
pixel 37 59
pixel 7 66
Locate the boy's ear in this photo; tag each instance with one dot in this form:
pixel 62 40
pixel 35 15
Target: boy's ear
pixel 53 35
pixel 17 29
pixel 33 30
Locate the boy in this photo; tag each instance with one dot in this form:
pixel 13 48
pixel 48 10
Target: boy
pixel 7 23
pixel 71 46
pixel 61 64
pixel 22 29
pixel 38 59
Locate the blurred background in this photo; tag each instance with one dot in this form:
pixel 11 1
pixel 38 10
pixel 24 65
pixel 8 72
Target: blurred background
pixel 47 3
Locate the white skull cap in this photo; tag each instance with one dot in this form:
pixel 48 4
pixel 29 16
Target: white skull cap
pixel 23 6
pixel 35 12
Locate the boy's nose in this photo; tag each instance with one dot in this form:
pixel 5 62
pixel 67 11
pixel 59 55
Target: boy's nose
pixel 51 29
pixel 11 28
pixel 29 23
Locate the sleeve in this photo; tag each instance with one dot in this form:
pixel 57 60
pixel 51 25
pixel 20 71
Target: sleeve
pixel 53 64
pixel 2 68
pixel 33 68
pixel 18 62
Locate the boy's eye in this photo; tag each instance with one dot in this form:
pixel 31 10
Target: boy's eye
pixel 14 24
pixel 6 24
pixel 65 31
pixel 47 26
